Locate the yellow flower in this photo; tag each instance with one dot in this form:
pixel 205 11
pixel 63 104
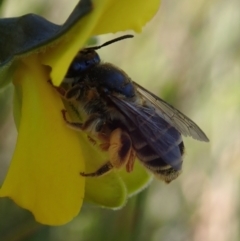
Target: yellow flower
pixel 44 173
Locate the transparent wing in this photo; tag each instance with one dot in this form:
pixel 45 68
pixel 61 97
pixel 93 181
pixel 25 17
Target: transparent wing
pixel 145 124
pixel 173 116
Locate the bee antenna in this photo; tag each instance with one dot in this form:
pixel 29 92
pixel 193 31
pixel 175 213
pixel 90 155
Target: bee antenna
pixel 111 41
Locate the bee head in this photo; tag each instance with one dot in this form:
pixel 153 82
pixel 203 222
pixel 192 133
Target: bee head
pixel 88 58
pixel 85 59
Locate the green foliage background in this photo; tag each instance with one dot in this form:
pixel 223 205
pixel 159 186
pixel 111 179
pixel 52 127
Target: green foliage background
pixel 189 54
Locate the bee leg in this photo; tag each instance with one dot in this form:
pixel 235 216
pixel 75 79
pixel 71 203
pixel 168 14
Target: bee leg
pixel 104 146
pixel 59 89
pixel 93 120
pixel 104 139
pixel 73 125
pixel 120 150
pixel 102 170
pixel 131 161
pixel 92 140
pixel 120 154
pixel 72 94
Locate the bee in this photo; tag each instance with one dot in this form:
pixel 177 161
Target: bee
pixel 129 121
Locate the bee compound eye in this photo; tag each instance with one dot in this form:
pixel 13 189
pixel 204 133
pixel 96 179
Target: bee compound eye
pixel 129 90
pixel 74 69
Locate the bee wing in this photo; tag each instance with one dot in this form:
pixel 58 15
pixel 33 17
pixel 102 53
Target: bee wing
pixel 173 116
pixel 161 136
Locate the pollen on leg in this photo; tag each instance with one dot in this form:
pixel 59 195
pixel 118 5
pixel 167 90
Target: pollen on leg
pixel 120 148
pixel 104 138
pixel 104 146
pixel 131 160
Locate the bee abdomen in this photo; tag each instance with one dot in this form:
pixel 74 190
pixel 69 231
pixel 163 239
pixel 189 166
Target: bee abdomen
pixel 158 166
pixel 171 154
pixel 137 138
pixel 167 174
pixel 150 159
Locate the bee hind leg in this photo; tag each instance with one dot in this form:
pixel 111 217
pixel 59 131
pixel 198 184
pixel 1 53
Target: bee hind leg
pixel 120 153
pixel 131 160
pixel 120 149
pixel 101 171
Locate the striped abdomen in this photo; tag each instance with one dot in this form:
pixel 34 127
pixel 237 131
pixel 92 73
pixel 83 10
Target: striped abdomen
pixel 161 150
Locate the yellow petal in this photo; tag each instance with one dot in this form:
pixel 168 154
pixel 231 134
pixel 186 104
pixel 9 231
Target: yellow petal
pixel 106 17
pixel 44 173
pixel 123 15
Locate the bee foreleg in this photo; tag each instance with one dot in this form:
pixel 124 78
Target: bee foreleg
pixel 59 89
pixel 74 125
pixel 74 92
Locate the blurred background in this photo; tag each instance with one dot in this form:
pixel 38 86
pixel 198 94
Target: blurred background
pixel 189 55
